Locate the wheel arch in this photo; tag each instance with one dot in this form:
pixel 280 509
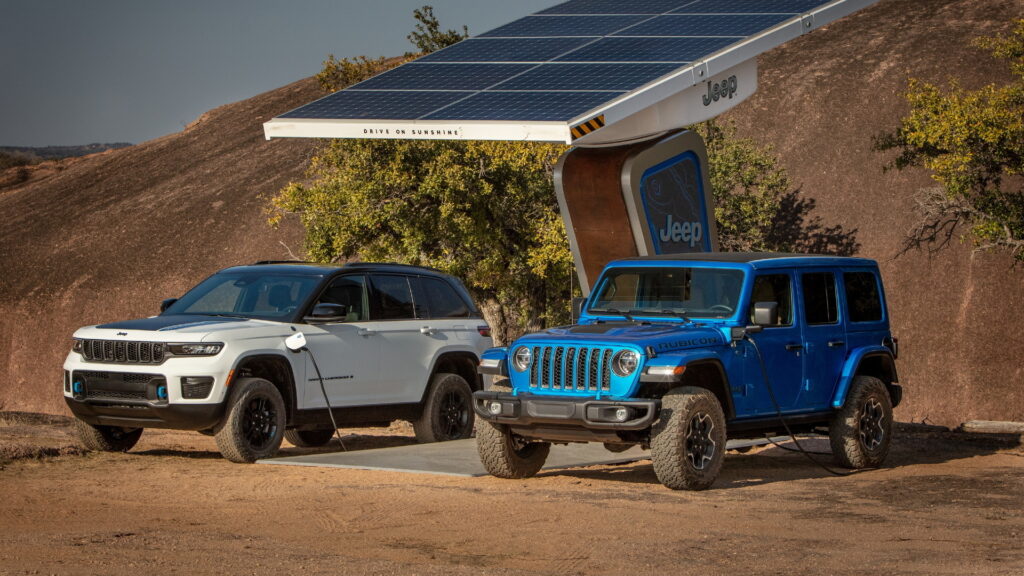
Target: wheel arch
pixel 461 362
pixel 876 361
pixel 277 370
pixel 704 372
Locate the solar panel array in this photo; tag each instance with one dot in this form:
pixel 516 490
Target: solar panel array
pixel 558 64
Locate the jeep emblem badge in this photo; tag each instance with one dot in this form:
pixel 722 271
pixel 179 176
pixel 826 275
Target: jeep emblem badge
pixel 122 333
pixel 723 89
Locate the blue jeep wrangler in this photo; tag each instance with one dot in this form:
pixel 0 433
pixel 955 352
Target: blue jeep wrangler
pixel 679 353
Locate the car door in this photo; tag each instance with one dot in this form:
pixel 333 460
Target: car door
pixel 409 339
pixel 825 345
pixel 781 350
pixel 448 312
pixel 348 351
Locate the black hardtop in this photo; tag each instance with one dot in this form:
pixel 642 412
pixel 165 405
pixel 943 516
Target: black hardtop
pixel 758 260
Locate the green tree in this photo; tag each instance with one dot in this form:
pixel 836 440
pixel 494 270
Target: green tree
pixel 428 37
pixel 973 143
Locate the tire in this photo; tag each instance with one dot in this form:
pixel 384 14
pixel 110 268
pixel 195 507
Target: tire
pixel 254 424
pixel 688 440
pixel 309 438
pixel 107 438
pixel 861 432
pixel 448 411
pixel 506 455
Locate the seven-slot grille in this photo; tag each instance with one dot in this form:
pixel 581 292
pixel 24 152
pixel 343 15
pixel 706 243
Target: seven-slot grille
pixel 571 368
pixel 119 351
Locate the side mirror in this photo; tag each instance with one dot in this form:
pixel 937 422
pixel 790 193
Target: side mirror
pixel 167 304
pixel 737 333
pixel 326 312
pixel 766 313
pixel 295 342
pixel 577 308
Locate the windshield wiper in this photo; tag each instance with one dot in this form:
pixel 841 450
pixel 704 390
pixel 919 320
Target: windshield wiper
pixel 615 311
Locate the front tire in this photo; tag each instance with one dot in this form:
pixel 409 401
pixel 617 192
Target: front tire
pixel 448 411
pixel 506 455
pixel 309 438
pixel 254 425
pixel 107 438
pixel 688 441
pixel 861 432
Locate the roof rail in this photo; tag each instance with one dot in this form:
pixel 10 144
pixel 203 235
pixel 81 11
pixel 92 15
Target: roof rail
pixel 282 262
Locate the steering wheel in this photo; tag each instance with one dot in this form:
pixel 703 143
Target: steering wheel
pixel 722 308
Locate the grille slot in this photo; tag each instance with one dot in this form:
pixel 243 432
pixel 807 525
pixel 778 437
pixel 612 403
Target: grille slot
pixel 571 368
pixel 121 352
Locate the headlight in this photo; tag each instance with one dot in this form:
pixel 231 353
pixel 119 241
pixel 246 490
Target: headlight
pixel 521 358
pixel 625 362
pixel 77 346
pixel 197 349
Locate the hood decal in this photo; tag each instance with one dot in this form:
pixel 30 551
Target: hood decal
pixel 172 322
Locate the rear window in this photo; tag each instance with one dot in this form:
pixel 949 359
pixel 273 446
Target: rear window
pixel 863 302
pixel 442 300
pixel 820 298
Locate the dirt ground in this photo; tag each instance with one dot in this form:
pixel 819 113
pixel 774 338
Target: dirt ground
pixel 946 503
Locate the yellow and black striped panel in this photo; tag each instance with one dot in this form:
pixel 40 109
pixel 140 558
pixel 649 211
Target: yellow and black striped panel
pixel 584 128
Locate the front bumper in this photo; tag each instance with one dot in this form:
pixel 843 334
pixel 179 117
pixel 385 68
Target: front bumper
pixel 144 414
pixel 534 411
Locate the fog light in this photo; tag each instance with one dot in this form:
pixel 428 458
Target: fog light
pixel 621 414
pixel 161 392
pixel 78 387
pixel 494 408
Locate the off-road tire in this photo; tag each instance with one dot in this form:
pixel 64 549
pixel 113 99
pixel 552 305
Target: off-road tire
pixel 688 440
pixel 504 454
pixel 448 412
pixel 254 424
pixel 861 431
pixel 107 438
pixel 309 438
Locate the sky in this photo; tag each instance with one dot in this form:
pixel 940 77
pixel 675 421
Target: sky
pixel 83 71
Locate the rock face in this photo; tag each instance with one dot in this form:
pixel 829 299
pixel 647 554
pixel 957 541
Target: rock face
pixel 820 100
pixel 111 235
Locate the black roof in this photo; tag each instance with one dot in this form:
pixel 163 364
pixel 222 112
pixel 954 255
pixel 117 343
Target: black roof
pixel 317 269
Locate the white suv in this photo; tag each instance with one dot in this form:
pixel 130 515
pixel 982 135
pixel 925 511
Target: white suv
pixel 391 342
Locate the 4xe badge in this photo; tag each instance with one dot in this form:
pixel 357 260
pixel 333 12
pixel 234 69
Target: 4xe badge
pixel 717 90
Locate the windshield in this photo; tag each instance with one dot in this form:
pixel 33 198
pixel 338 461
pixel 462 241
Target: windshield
pixel 680 292
pixel 247 295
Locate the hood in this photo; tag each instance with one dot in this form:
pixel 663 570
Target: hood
pixel 664 337
pixel 176 322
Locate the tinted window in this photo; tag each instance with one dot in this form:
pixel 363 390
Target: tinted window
pixel 776 288
pixel 693 292
pixel 442 300
pixel 863 303
pixel 349 291
pixel 392 298
pixel 820 298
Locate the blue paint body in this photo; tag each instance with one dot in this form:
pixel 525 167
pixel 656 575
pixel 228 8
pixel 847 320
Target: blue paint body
pixel 681 310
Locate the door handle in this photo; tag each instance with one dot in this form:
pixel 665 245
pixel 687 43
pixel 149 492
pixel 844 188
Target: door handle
pixel 836 344
pixel 428 331
pixel 366 332
pixel 794 346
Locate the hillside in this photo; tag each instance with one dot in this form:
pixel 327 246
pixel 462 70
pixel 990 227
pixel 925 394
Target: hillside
pixel 113 234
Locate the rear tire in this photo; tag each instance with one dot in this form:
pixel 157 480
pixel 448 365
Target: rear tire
pixel 861 432
pixel 309 438
pixel 448 411
pixel 688 441
pixel 107 438
pixel 254 425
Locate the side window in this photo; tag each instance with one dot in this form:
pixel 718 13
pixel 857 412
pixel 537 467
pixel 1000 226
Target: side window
pixel 392 298
pixel 443 300
pixel 776 288
pixel 863 303
pixel 351 292
pixel 820 298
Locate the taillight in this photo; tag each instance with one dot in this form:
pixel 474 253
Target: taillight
pixel 484 330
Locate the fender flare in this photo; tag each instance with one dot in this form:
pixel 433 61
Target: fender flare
pixel 852 367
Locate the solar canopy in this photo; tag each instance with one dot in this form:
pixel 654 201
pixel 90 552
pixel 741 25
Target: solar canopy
pixel 585 72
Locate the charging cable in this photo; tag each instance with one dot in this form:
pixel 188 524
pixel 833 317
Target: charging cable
pixel 330 411
pixel 778 410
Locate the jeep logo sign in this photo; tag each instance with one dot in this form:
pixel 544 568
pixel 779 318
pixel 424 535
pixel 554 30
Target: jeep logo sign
pixel 723 89
pixel 672 198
